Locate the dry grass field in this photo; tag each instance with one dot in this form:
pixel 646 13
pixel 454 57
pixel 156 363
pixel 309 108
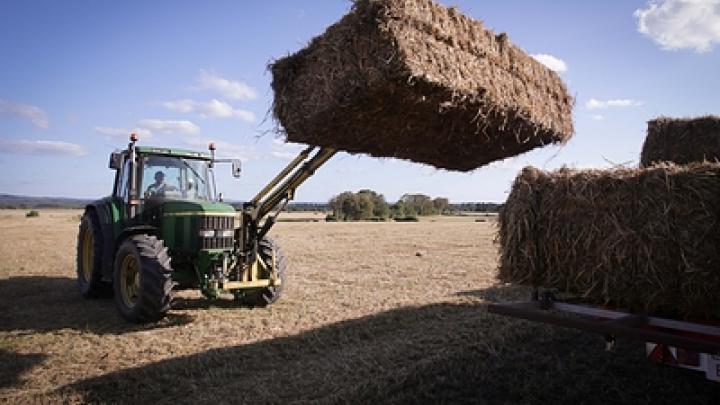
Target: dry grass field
pixel 372 313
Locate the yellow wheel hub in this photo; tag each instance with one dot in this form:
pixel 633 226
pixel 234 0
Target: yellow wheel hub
pixel 87 254
pixel 129 280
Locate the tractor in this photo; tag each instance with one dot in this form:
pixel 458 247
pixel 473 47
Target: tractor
pixel 164 228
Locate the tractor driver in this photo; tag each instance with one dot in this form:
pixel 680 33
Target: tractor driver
pixel 159 188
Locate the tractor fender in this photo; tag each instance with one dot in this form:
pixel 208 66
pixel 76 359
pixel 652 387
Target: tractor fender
pixel 134 230
pixel 102 212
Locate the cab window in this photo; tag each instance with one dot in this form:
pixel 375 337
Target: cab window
pixel 175 178
pixel 122 184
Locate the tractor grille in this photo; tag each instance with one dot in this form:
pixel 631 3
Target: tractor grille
pixel 216 223
pixel 216 243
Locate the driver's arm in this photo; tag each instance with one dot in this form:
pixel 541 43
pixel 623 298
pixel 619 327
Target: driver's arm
pixel 151 190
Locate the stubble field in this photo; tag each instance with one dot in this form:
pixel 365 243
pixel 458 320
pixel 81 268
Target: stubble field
pixel 371 313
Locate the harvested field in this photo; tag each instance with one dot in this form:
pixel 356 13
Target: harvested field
pixel 643 239
pixel 364 320
pixel 418 81
pixel 681 140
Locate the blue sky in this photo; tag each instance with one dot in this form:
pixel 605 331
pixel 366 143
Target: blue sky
pixel 77 76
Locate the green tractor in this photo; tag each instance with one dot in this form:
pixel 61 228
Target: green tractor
pixel 164 228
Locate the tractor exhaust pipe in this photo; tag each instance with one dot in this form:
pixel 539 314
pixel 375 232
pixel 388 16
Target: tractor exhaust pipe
pixel 132 194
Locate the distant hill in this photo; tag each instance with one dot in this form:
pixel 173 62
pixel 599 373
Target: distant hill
pixel 27 202
pixel 21 201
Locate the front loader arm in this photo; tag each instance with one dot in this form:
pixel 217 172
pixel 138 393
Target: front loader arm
pixel 280 191
pixel 249 237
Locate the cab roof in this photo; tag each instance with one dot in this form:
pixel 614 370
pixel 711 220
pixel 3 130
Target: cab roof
pixel 155 150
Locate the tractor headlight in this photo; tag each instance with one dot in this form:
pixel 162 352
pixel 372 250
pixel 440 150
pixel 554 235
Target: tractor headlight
pixel 206 233
pixel 225 233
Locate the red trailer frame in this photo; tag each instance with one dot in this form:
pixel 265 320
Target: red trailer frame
pixel 686 344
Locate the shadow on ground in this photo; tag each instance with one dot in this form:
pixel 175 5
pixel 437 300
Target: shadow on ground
pixel 200 302
pixel 442 353
pixel 42 304
pixel 13 365
pixel 501 293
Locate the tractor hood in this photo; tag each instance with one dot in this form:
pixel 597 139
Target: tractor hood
pixel 174 207
pixel 192 226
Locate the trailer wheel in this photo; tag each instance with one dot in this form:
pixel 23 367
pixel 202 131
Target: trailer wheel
pixel 265 296
pixel 142 279
pixel 89 258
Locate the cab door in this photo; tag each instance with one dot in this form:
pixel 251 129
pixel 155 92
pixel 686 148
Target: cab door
pixel 121 195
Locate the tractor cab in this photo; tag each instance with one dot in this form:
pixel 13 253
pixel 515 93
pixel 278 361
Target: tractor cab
pixel 164 174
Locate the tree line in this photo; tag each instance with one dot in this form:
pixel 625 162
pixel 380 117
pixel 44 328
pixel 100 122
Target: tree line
pixel 370 205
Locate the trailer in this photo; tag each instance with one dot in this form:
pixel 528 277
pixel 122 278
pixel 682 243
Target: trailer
pixel 686 344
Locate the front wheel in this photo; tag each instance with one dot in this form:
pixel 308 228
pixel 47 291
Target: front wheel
pixel 267 250
pixel 142 279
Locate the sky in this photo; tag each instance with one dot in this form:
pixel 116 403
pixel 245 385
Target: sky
pixel 77 76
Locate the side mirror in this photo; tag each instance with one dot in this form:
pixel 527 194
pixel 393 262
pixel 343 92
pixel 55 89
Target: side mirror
pixel 116 160
pixel 236 168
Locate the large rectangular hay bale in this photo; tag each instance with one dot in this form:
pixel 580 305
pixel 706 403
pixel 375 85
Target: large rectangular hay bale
pixel 681 140
pixel 414 80
pixel 642 239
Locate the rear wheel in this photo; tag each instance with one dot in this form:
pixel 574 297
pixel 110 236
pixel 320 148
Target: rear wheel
pixel 267 249
pixel 89 259
pixel 142 279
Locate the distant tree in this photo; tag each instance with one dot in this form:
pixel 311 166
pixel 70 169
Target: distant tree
pixel 421 204
pixel 441 204
pixel 476 207
pixel 344 206
pixel 428 208
pixel 363 205
pixel 397 210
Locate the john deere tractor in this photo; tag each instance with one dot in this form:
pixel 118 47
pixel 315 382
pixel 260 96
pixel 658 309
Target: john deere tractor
pixel 164 228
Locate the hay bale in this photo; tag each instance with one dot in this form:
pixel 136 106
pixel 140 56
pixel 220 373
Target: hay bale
pixel 681 140
pixel 414 80
pixel 642 239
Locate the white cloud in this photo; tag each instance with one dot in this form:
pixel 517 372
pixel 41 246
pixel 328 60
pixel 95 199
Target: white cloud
pixel 598 117
pixel 28 147
pixel 169 126
pixel 678 24
pixel 123 132
pixel 284 150
pixel 147 128
pixel 36 115
pixel 224 149
pixel 594 104
pixel 231 89
pixel 183 106
pixel 114 132
pixel 551 62
pixel 210 109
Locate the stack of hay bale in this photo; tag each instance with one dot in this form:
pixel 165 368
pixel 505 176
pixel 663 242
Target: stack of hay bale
pixel 682 140
pixel 644 239
pixel 414 80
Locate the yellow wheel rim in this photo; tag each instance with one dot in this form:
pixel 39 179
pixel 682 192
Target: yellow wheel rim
pixel 129 280
pixel 87 254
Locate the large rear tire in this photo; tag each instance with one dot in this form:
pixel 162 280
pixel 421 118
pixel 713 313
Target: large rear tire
pixel 142 279
pixel 89 258
pixel 265 296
